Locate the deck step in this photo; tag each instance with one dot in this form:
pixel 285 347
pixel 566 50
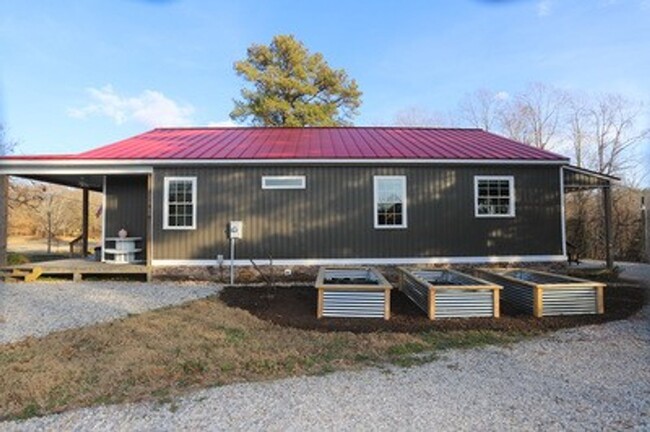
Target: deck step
pixel 21 275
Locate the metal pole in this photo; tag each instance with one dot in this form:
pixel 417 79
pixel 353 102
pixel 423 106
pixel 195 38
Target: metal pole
pixel 232 261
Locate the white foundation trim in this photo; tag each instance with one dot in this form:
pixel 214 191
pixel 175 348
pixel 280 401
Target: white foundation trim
pixel 370 261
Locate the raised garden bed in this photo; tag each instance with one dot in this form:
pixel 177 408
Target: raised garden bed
pixel 352 292
pixel 450 294
pixel 547 294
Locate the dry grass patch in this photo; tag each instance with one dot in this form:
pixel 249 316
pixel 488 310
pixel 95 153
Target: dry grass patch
pixel 162 353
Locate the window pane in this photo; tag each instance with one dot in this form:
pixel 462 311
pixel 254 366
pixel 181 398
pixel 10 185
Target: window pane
pixel 389 195
pixel 180 203
pixel 493 197
pixel 284 182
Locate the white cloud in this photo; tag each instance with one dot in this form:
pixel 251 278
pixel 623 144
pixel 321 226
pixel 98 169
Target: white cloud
pixel 544 8
pixel 502 95
pixel 151 108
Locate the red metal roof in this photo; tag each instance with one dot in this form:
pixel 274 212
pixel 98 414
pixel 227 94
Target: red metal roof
pixel 316 143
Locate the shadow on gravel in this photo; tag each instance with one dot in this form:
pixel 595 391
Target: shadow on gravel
pixel 296 307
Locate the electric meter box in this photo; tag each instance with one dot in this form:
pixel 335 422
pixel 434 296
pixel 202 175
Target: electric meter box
pixel 235 229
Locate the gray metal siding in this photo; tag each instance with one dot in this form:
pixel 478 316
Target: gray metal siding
pixel 464 303
pixel 416 291
pixel 449 303
pixel 519 296
pixel 333 216
pixel 353 304
pixel 570 301
pixel 126 205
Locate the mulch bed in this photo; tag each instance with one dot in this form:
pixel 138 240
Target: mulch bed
pixel 296 307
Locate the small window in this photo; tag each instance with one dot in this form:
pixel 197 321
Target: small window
pixel 283 182
pixel 390 202
pixel 179 210
pixel 494 196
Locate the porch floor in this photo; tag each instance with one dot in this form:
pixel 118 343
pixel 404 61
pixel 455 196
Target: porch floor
pixel 77 269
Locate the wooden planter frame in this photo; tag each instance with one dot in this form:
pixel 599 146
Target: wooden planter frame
pixel 481 285
pixel 538 288
pixel 382 286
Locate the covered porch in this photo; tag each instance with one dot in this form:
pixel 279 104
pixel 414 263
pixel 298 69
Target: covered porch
pixel 113 184
pixel 577 179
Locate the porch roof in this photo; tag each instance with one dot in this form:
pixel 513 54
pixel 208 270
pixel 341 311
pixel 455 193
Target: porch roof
pixel 578 178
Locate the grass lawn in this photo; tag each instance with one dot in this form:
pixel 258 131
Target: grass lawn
pixel 163 353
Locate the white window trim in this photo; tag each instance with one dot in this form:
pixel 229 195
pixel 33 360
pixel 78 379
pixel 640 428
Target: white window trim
pixel 166 225
pixel 303 182
pixel 404 224
pixel 511 181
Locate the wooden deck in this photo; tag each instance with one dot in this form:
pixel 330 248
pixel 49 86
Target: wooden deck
pixel 79 269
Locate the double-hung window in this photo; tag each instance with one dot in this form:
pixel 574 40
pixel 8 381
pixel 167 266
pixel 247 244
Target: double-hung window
pixel 390 202
pixel 179 210
pixel 494 196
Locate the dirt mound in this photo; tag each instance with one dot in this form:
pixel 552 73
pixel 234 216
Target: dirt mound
pixel 296 307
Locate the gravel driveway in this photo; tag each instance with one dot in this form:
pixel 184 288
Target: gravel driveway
pixel 589 378
pixel 41 308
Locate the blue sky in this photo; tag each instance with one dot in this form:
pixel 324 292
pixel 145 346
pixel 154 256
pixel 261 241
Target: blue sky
pixel 78 74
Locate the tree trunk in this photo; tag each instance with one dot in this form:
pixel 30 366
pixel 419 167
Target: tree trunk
pixel 4 185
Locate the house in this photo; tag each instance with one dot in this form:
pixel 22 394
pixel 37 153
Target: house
pixel 348 195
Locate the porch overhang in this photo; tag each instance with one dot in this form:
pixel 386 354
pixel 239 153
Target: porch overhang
pixel 578 178
pixel 72 175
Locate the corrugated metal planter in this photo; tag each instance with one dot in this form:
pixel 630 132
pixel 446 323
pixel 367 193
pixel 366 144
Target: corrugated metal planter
pixel 547 294
pixel 352 292
pixel 449 293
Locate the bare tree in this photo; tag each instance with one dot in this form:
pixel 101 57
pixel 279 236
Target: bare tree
pixel 54 214
pixel 481 109
pixel 6 146
pixel 419 116
pixel 534 115
pixel 579 131
pixel 616 131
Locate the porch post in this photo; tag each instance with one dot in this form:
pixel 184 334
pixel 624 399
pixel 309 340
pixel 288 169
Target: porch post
pixel 4 185
pixel 149 232
pixel 84 224
pixel 607 204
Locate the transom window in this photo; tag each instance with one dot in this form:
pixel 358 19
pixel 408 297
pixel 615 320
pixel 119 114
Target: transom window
pixel 494 196
pixel 390 202
pixel 283 182
pixel 179 210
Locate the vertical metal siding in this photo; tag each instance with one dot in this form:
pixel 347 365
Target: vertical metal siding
pixel 126 205
pixel 333 216
pixel 416 291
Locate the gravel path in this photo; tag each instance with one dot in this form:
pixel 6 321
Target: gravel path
pixel 589 378
pixel 41 308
